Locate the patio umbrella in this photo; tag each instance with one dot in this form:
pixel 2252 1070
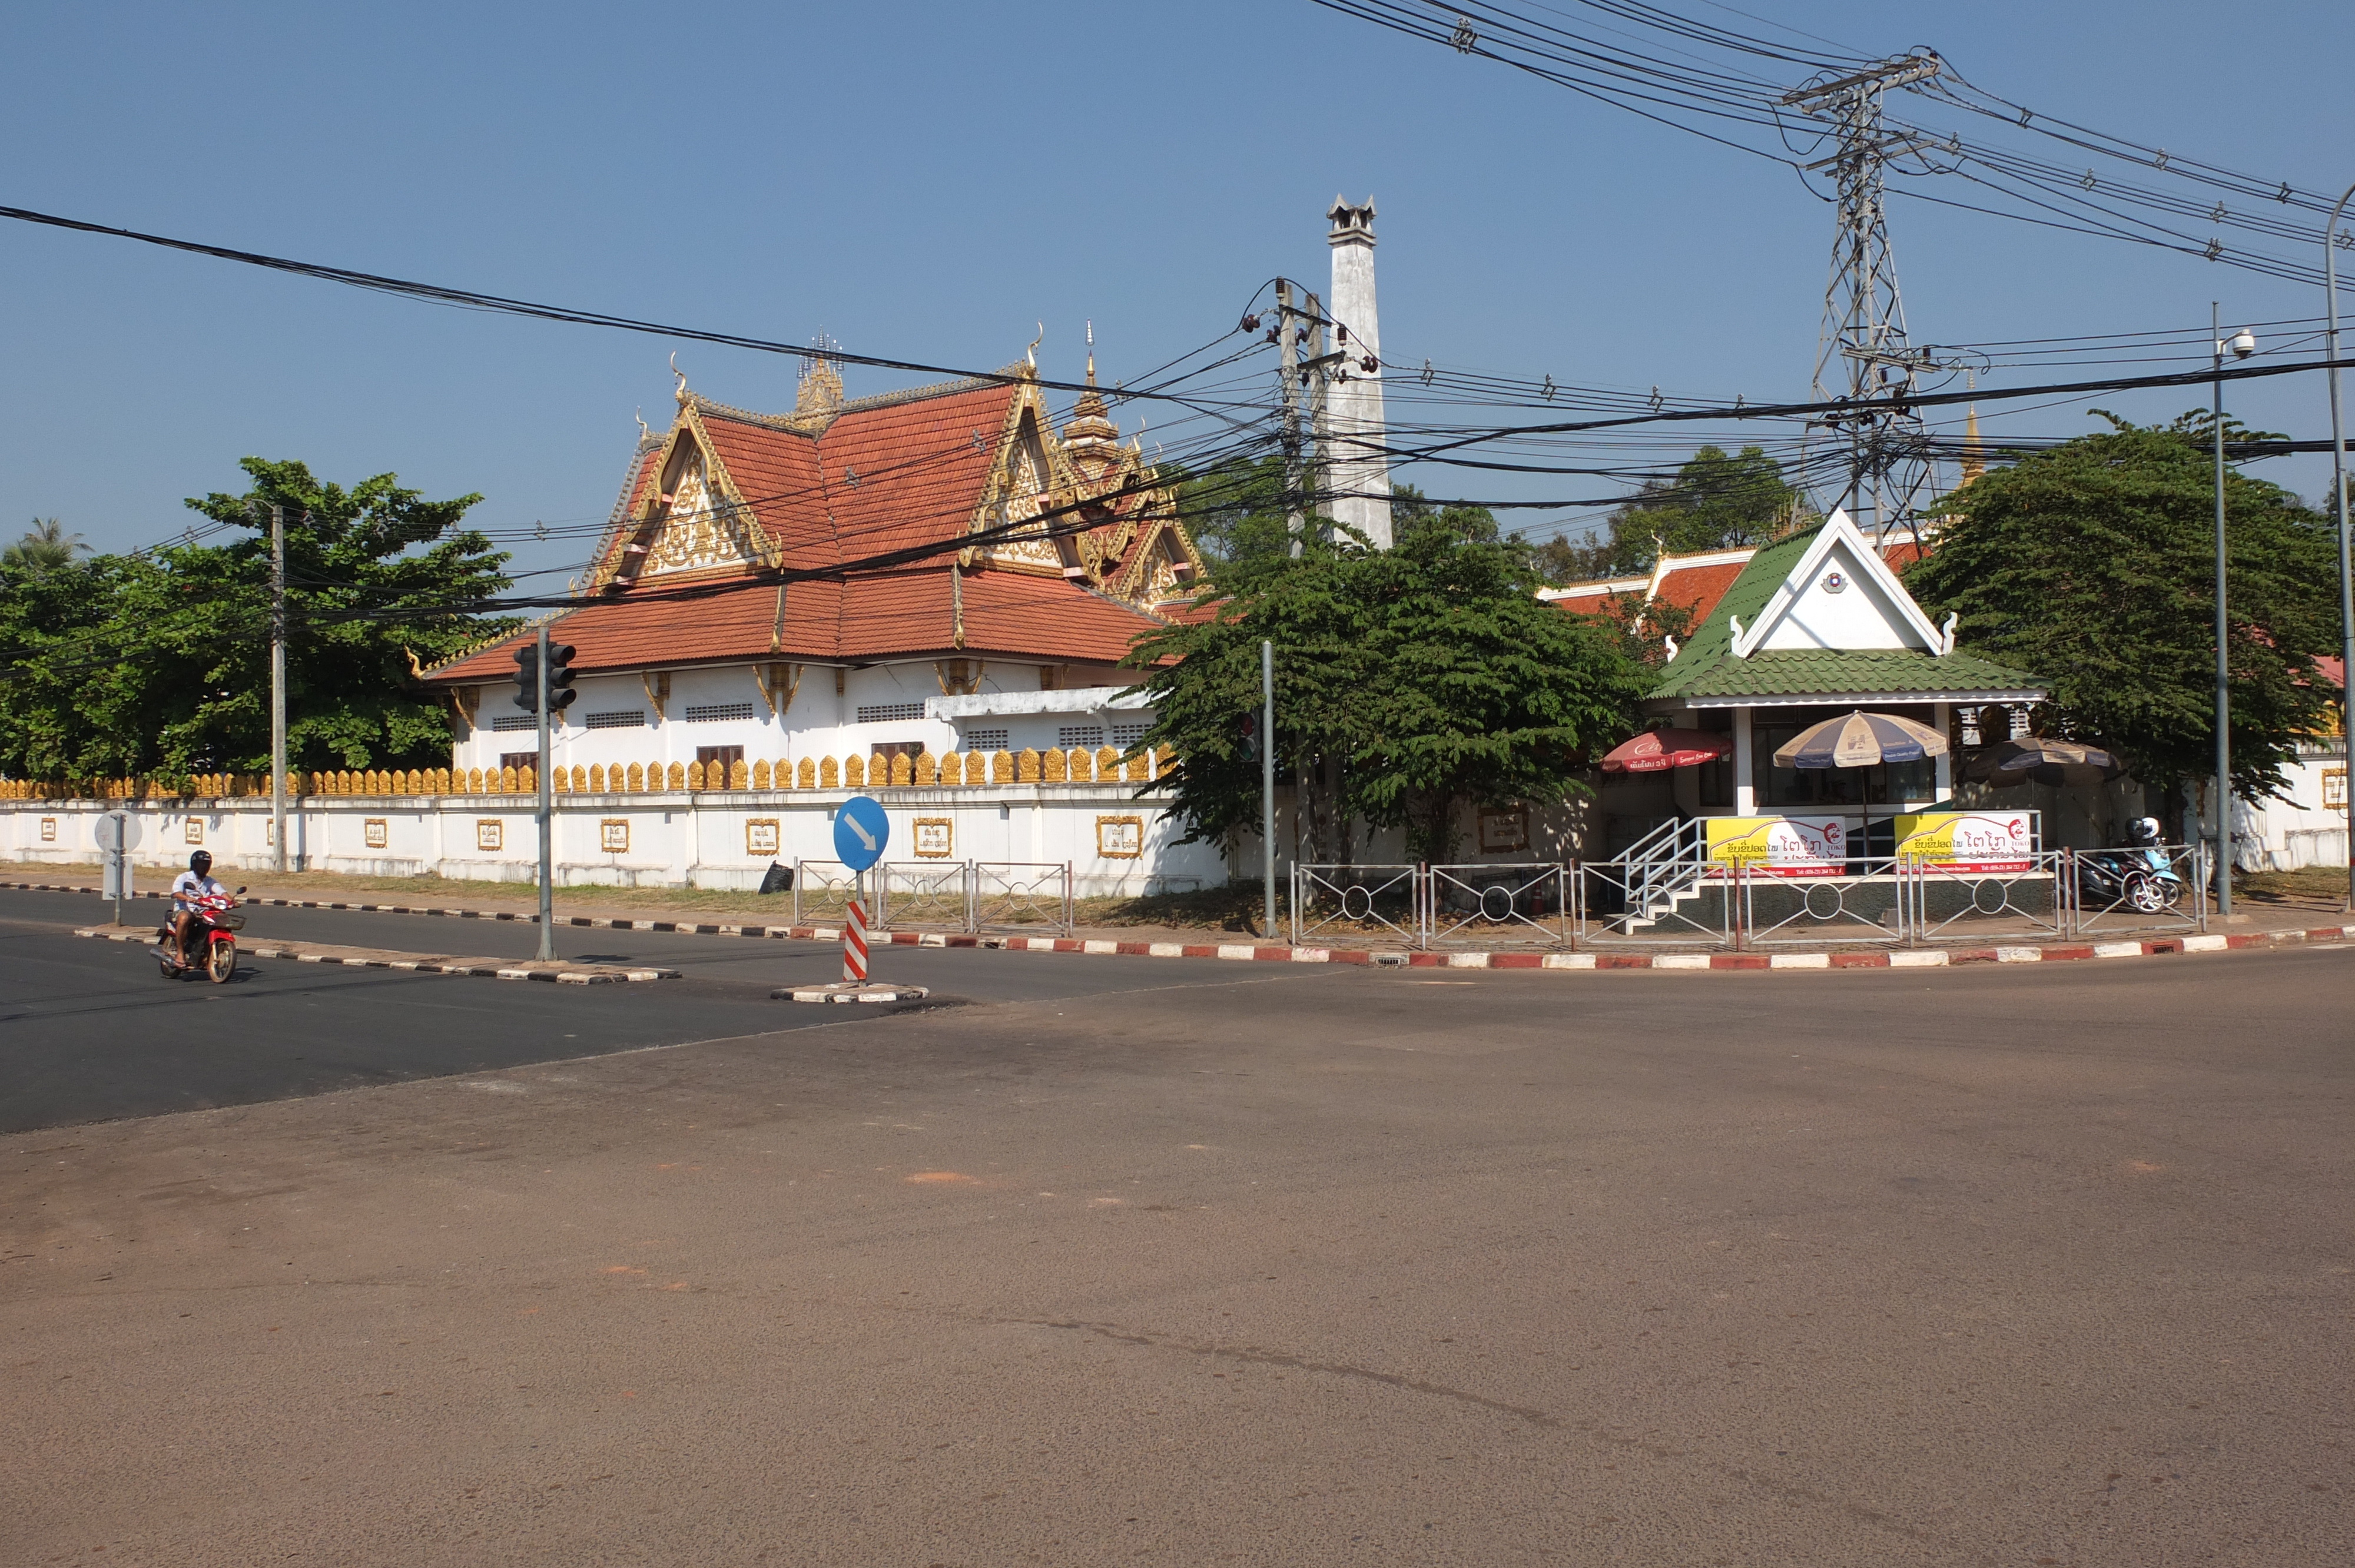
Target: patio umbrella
pixel 1658 750
pixel 1858 740
pixel 2044 759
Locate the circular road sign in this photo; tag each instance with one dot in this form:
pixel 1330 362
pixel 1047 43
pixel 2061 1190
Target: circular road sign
pixel 860 831
pixel 118 830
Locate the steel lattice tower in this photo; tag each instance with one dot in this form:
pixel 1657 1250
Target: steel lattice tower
pixel 1861 353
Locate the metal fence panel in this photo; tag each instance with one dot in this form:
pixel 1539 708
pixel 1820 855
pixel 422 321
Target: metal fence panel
pixel 2112 891
pixel 1848 907
pixel 1022 898
pixel 1525 900
pixel 1635 903
pixel 1944 902
pixel 923 896
pixel 1327 897
pixel 823 890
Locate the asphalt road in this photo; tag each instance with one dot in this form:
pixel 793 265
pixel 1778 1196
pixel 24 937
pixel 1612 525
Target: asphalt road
pixel 90 1031
pixel 1279 1265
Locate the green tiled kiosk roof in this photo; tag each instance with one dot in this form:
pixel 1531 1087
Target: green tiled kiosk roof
pixel 1705 666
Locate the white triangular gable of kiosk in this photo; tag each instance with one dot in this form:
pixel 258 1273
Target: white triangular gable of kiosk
pixel 1841 596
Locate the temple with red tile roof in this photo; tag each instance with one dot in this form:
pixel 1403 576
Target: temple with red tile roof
pixel 776 585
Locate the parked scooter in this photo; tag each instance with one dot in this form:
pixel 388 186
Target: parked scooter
pixel 2141 876
pixel 211 950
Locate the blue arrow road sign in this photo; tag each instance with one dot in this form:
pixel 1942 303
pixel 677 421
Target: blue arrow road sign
pixel 860 831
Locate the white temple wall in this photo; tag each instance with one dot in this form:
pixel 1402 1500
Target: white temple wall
pixel 704 707
pixel 1118 845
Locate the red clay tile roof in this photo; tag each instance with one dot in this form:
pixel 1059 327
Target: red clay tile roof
pixel 878 475
pixel 1699 588
pixel 872 616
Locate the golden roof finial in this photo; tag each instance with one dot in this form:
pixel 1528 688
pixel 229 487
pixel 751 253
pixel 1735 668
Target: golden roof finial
pixel 675 370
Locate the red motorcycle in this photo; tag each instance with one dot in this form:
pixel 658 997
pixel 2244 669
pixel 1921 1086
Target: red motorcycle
pixel 213 923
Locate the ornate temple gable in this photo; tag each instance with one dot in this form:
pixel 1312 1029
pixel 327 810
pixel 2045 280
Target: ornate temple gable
pixel 1132 549
pixel 690 517
pixel 1029 477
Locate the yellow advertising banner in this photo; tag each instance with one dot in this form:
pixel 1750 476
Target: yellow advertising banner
pixel 1781 846
pixel 1968 841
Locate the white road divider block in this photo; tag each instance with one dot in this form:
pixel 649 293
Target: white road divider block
pixel 1680 960
pixel 1567 961
pixel 1467 960
pixel 2203 944
pixel 1934 959
pixel 2020 955
pixel 1233 950
pixel 1094 946
pixel 1799 961
pixel 2117 949
pixel 1312 955
pixel 1165 949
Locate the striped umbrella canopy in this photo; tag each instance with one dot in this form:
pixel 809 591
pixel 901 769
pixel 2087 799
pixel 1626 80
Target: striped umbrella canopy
pixel 2043 759
pixel 1859 739
pixel 1658 750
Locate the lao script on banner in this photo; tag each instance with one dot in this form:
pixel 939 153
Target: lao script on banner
pixel 1968 841
pixel 1781 846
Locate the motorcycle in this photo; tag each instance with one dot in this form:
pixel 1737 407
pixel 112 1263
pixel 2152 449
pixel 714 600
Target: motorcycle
pixel 2141 877
pixel 213 923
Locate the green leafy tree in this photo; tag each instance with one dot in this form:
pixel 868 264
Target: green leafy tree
pixel 1409 681
pixel 45 546
pixel 161 662
pixel 1235 509
pixel 1717 500
pixel 2093 566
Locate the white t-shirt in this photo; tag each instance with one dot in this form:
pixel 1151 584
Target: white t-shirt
pixel 187 888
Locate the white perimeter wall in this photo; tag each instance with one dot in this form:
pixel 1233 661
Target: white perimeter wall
pixel 674 841
pixel 818 724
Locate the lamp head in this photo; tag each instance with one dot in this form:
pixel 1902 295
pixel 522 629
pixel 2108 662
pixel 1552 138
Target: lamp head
pixel 2243 344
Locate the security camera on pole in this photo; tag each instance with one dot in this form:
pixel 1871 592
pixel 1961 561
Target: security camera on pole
pixel 861 832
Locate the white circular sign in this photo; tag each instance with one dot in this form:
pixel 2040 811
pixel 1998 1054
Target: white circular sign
pixel 118 830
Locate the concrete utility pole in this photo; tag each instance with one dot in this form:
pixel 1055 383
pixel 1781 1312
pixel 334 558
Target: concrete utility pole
pixel 1288 369
pixel 2346 544
pixel 278 687
pixel 1361 467
pixel 2224 646
pixel 1319 365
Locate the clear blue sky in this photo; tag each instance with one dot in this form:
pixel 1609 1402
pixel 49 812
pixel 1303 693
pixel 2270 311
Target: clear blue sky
pixel 927 181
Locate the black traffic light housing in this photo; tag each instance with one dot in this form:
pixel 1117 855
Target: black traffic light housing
pixel 559 677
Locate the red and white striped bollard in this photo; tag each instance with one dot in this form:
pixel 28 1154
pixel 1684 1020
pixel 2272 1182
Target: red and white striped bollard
pixel 854 945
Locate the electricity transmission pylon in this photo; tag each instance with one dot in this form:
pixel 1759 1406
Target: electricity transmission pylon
pixel 1861 353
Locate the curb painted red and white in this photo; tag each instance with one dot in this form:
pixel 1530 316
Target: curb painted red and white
pixel 1898 959
pixel 416 966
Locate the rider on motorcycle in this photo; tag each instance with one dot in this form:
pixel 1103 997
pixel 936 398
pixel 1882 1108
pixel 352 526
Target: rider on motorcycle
pixel 191 884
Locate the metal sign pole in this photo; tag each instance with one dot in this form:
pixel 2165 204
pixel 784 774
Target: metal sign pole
pixel 1267 779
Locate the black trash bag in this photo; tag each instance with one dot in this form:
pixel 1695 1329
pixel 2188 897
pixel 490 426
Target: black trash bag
pixel 779 879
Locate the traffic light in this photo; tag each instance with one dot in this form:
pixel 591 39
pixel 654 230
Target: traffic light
pixel 1251 738
pixel 527 659
pixel 559 677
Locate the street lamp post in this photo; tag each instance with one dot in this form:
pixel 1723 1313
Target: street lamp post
pixel 2345 576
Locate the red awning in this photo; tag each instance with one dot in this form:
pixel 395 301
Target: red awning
pixel 1658 750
